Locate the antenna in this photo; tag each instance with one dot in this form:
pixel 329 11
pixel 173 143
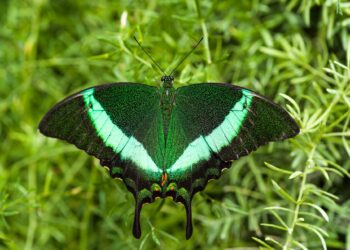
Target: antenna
pixel 150 56
pixel 184 58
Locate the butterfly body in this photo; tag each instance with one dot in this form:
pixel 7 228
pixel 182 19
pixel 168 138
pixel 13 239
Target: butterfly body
pixel 166 141
pixel 167 94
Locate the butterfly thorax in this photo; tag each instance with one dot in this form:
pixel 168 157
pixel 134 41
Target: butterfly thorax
pixel 166 101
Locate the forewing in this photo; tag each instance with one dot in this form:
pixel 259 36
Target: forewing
pixel 213 124
pixel 120 124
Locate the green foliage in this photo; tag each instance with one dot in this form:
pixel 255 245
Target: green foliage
pixel 291 194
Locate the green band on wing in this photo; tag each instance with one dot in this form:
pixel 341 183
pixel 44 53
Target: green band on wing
pixel 127 147
pixel 200 149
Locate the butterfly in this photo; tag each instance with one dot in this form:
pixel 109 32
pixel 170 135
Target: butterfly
pixel 163 141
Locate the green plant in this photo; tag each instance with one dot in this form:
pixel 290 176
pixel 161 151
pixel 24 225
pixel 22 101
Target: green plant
pixel 286 195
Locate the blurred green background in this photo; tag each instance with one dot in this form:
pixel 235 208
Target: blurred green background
pixel 293 194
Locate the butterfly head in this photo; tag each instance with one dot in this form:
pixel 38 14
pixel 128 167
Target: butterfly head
pixel 167 81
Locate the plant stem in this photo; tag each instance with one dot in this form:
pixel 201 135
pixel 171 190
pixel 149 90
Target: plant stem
pixel 290 231
pixel 205 33
pixel 30 54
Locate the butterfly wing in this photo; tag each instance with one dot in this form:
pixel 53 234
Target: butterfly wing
pixel 213 124
pixel 120 124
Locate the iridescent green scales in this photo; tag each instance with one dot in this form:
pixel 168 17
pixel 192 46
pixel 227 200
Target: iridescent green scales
pixel 112 136
pixel 204 146
pixel 165 141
